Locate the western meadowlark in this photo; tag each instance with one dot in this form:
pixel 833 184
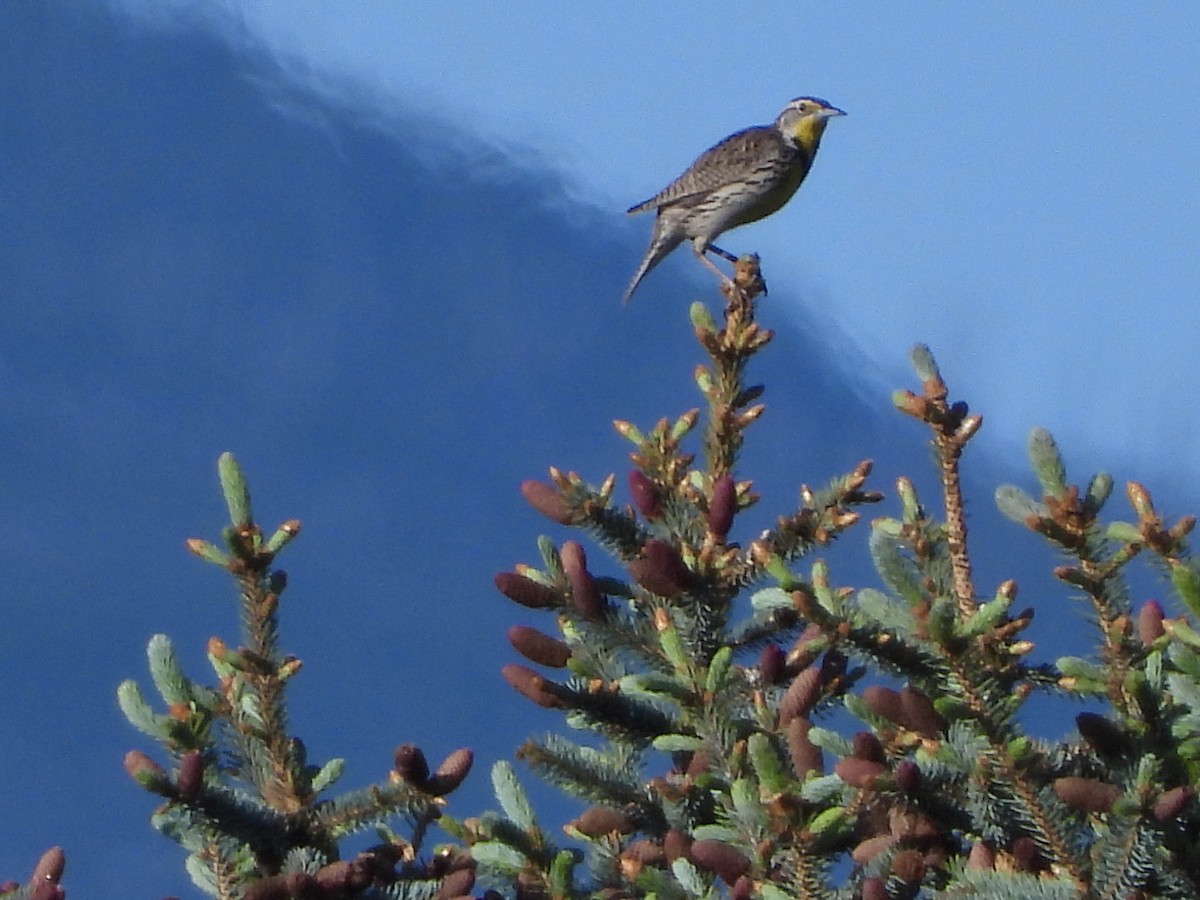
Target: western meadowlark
pixel 744 178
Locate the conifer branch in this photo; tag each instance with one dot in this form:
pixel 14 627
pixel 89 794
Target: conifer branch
pixel 945 792
pixel 243 800
pixel 952 428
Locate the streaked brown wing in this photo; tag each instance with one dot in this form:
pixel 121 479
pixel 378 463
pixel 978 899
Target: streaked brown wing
pixel 718 166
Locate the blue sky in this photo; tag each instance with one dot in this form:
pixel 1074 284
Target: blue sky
pixel 379 255
pixel 1032 169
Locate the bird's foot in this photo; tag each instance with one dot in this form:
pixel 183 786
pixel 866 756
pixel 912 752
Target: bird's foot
pixel 747 277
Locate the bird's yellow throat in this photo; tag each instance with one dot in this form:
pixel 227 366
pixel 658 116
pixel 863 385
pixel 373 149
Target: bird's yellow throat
pixel 809 130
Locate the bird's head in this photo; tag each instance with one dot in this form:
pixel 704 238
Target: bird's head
pixel 803 120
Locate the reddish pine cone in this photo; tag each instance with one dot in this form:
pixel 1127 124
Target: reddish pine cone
pixel 548 500
pixel 908 776
pixel 528 682
pixel 802 695
pixel 1086 794
pixel 451 773
pixel 538 647
pixel 919 714
pixel 49 868
pixel 584 593
pixel 719 857
pixel 909 866
pixel 191 775
pixel 867 746
pixel 527 592
pixel 1171 804
pixel 411 765
pixel 343 878
pixel 47 891
pixel 276 887
pixel 806 756
pixel 1150 622
pixel 723 506
pixel 661 570
pixel 1027 856
pixel 771 664
pixel 981 857
pixel 676 844
pixel 885 702
pixel 860 773
pixel 647 498
pixel 456 884
pixel 600 820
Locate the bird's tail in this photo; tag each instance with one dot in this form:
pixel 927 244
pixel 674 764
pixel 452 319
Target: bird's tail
pixel 660 246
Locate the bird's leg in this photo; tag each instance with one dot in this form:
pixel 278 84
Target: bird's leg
pixel 724 254
pixel 726 281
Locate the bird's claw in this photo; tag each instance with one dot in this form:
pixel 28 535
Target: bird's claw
pixel 747 277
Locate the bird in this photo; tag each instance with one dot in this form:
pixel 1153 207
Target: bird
pixel 743 178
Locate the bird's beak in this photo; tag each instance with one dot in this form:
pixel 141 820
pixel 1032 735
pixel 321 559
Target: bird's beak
pixel 830 111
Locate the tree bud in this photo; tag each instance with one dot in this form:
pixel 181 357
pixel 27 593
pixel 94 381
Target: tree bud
pixel 149 774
